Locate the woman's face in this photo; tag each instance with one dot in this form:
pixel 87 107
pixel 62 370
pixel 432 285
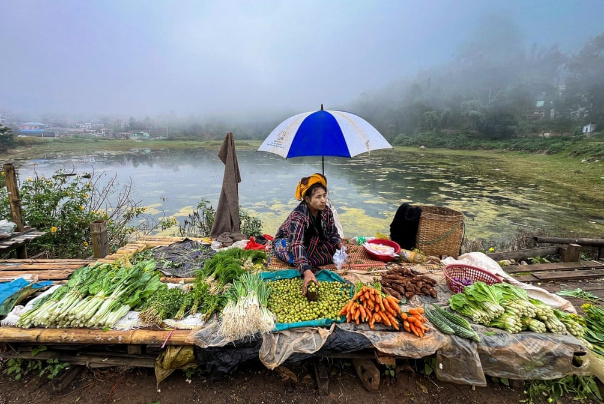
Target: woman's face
pixel 317 200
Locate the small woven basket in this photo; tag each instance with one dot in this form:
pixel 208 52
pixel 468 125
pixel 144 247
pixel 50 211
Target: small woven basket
pixel 440 231
pixel 462 271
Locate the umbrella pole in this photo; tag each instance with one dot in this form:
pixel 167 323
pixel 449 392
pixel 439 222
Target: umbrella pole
pixel 323 165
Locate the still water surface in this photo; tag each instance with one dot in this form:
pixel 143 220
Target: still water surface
pixel 366 190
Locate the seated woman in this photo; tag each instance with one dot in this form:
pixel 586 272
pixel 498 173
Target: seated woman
pixel 308 237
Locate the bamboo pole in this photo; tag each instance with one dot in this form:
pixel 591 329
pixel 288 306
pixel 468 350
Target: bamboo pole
pixel 97 337
pixel 12 188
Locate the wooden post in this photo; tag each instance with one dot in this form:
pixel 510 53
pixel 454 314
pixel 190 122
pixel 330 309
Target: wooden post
pixel 12 188
pixel 100 241
pixel 572 253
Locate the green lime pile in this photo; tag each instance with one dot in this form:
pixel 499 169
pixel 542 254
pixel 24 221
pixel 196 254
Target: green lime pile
pixel 290 306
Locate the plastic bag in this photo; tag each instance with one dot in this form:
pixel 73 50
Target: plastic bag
pixel 340 257
pixel 6 227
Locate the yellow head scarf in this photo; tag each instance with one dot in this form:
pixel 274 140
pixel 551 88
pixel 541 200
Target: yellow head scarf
pixel 308 182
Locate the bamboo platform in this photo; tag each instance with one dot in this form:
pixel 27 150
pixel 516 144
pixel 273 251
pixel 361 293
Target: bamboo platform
pixel 557 271
pixel 84 336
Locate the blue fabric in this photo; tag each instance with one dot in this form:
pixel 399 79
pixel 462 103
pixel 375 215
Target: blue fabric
pixel 319 135
pixel 8 290
pixel 322 276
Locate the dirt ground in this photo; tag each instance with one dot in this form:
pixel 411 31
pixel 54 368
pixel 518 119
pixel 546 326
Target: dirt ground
pixel 250 384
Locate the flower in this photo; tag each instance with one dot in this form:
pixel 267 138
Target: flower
pixel 68 193
pixel 491 249
pixel 81 207
pixel 53 229
pixel 85 195
pixel 3 174
pixel 85 243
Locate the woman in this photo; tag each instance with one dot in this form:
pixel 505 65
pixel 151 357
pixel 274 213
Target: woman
pixel 308 237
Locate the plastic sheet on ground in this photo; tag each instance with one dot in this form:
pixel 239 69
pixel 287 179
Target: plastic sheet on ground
pixel 529 355
pixel 458 362
pixel 277 347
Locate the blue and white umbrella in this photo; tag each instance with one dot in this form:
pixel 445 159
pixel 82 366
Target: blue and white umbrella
pixel 323 133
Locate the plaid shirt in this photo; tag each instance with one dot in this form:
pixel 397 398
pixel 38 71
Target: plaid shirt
pixel 294 227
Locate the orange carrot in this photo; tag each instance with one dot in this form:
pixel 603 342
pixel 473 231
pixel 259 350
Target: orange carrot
pixel 345 308
pixel 385 319
pixel 393 302
pixel 413 330
pixel 363 313
pixel 404 315
pixel 392 299
pixel 406 326
pixel 413 311
pixel 393 321
pixel 377 318
pixel 420 310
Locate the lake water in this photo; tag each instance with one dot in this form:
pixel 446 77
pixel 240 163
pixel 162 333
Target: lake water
pixel 366 190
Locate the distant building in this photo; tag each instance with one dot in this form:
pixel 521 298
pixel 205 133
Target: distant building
pixel 139 136
pixel 589 128
pixel 539 110
pixel 34 129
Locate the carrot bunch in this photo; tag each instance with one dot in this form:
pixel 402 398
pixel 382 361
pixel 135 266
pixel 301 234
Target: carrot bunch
pixel 414 321
pixel 372 306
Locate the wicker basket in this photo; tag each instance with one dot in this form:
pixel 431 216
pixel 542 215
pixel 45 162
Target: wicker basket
pixel 440 231
pixel 462 271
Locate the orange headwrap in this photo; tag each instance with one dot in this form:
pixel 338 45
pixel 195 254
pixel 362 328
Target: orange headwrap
pixel 308 182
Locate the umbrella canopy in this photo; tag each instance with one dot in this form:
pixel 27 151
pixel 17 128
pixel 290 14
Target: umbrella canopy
pixel 323 133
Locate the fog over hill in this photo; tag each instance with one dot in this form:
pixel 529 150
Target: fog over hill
pixel 263 61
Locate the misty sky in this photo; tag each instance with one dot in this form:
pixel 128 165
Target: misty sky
pixel 200 57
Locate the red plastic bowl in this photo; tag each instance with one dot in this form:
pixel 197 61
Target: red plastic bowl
pixel 382 257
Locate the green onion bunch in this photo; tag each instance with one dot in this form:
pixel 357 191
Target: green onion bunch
pixel 246 313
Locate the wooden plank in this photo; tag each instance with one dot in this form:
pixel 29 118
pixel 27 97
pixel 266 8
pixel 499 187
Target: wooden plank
pixel 45 275
pixel 568 275
pixel 44 260
pixel 526 278
pixel 554 266
pixel 39 267
pixel 93 337
pixel 523 254
pixel 91 361
pixel 562 240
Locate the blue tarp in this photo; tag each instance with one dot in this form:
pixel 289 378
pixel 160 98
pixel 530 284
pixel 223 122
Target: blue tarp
pixel 10 292
pixel 322 276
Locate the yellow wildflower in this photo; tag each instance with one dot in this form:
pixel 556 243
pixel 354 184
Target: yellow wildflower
pixel 491 249
pixel 30 179
pixel 85 243
pixel 81 207
pixel 68 193
pixel 53 229
pixel 85 196
pixel 3 173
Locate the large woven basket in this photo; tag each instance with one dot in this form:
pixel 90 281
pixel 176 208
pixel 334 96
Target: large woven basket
pixel 440 231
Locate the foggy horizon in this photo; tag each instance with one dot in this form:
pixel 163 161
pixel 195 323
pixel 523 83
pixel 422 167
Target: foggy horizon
pixel 237 59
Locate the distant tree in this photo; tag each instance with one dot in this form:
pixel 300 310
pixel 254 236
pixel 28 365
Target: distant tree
pixel 7 139
pixel 430 121
pixel 585 85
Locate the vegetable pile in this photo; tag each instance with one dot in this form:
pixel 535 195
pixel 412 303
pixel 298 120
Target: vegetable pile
pixel 594 327
pixel 290 306
pixel 507 307
pixel 404 282
pixel 450 323
pixel 372 306
pixel 95 297
pixel 246 312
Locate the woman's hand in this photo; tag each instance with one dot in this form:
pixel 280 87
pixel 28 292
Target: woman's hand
pixel 308 278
